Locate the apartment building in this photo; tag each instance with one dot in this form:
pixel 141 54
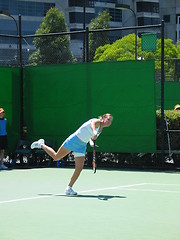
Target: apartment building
pixel 170 12
pixel 140 12
pixel 32 13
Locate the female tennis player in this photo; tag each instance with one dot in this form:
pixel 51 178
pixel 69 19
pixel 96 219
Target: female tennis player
pixel 77 143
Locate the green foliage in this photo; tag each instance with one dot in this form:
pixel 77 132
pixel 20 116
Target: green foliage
pixel 178 49
pixel 98 39
pixel 53 49
pixel 170 52
pixel 173 121
pixel 124 49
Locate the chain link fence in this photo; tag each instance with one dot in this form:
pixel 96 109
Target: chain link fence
pixel 90 45
pixel 9 50
pixel 120 44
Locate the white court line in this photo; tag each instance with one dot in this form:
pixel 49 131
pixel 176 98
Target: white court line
pixel 150 190
pixel 22 199
pixel 124 187
pixel 164 184
pixel 111 188
pixel 85 191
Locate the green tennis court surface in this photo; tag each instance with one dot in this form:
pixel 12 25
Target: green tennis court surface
pixel 125 205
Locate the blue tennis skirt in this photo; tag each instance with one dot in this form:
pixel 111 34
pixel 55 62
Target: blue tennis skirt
pixel 74 144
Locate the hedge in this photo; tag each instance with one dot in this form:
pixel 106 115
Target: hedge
pixel 172 121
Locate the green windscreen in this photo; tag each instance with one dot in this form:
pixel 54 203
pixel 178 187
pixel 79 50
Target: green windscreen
pixel 171 95
pixel 58 99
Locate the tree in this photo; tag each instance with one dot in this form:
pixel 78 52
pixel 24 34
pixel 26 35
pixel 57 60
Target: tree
pixel 170 53
pixel 178 62
pixel 52 49
pixel 124 49
pixel 178 49
pixel 97 39
pixel 121 50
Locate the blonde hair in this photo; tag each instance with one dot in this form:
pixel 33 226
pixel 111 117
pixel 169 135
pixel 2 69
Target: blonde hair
pixel 177 107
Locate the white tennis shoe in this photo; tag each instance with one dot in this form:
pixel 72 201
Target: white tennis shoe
pixel 37 144
pixel 70 192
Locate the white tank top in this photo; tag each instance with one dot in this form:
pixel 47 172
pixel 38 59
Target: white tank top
pixel 85 132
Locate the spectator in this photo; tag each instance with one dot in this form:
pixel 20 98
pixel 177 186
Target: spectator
pixel 177 107
pixel 3 138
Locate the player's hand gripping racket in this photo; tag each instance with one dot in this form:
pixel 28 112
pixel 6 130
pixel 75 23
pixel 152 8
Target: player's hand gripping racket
pixel 94 158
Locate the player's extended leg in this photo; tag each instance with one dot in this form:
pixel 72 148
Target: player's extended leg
pixel 62 152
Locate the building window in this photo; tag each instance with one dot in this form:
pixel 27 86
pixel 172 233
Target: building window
pixel 166 18
pixel 77 17
pixel 142 21
pixel 80 3
pixel 4 5
pixel 89 3
pixel 116 15
pixel 27 8
pixel 107 1
pixel 148 7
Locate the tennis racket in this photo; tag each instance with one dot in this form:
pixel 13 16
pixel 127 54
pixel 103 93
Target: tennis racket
pixel 94 158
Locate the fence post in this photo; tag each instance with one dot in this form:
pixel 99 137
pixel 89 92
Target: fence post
pixel 87 44
pixel 162 93
pixel 21 79
pixel 84 28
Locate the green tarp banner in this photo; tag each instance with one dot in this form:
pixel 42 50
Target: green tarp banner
pixel 59 98
pixel 149 42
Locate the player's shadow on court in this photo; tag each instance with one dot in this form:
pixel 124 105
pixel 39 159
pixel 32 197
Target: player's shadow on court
pixel 100 197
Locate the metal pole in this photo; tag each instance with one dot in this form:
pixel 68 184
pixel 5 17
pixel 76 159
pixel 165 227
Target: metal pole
pixel 162 93
pixel 178 29
pixel 135 32
pixel 7 14
pixel 87 44
pixel 84 28
pixel 127 7
pixel 136 41
pixel 17 35
pixel 21 80
pixel 88 78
